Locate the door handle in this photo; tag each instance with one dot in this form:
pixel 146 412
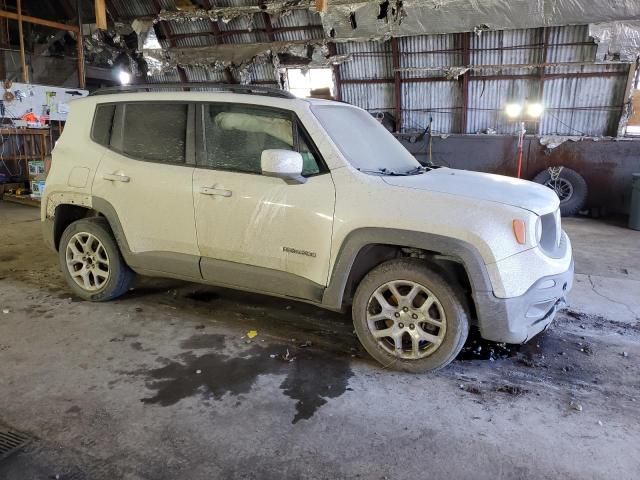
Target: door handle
pixel 113 177
pixel 215 191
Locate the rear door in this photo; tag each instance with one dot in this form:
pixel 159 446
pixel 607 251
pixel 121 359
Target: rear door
pixel 146 176
pixel 277 235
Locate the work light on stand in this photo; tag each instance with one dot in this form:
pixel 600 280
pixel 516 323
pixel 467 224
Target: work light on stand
pixel 521 113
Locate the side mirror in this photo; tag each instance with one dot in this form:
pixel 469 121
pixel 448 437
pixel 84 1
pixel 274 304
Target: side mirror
pixel 283 164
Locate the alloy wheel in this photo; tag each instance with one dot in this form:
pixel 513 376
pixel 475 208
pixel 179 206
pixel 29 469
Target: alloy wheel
pixel 406 319
pixel 87 261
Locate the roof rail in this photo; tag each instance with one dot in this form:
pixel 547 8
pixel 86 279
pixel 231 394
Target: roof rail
pixel 219 87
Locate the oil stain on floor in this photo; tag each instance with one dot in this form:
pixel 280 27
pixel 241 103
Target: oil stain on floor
pixel 311 376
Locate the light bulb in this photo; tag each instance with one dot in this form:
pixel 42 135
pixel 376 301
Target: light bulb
pixel 535 110
pixel 513 110
pixel 125 77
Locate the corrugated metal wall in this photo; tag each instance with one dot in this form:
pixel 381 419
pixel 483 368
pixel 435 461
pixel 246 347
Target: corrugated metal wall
pixel 580 97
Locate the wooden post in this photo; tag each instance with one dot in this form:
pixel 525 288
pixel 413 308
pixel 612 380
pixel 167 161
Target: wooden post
pixel 80 46
pixel 23 59
pixel 101 14
pixel 4 44
pixel 81 77
pixel 321 6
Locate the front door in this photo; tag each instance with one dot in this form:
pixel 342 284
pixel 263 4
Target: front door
pixel 146 176
pixel 256 231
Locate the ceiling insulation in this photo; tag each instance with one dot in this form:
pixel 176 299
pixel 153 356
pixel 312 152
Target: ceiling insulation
pixel 383 19
pixel 617 41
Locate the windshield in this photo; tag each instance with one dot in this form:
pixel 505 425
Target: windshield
pixel 363 141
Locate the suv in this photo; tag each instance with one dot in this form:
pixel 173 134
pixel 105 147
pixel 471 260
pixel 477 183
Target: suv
pixel 312 200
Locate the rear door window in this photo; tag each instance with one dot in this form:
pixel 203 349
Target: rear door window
pixel 155 132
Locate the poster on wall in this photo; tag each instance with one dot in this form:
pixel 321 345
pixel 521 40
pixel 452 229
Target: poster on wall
pixel 36 104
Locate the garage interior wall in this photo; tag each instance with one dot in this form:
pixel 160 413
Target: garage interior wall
pixel 460 82
pixel 580 96
pixel 414 78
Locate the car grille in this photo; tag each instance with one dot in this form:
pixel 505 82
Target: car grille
pixel 552 241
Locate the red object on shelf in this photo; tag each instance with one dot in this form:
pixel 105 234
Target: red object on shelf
pixel 31 117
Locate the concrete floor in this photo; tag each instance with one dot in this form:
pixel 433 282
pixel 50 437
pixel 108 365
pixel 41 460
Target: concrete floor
pixel 112 390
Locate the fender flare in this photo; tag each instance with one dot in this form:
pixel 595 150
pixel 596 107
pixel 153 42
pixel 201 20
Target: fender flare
pixel 467 254
pixel 104 208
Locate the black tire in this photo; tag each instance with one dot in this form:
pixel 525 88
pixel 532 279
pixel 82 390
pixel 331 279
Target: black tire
pixel 120 275
pixel 578 197
pixel 449 297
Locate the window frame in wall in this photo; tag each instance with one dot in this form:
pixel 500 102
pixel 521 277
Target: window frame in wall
pixel 299 89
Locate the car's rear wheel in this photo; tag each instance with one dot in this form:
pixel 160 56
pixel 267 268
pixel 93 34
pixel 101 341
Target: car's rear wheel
pixel 91 261
pixel 408 317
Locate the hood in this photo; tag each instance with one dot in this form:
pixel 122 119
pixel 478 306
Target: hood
pixel 482 186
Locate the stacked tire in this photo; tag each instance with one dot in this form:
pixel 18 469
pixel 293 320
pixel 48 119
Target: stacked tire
pixel 569 185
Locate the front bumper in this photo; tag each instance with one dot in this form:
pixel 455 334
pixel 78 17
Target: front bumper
pixel 518 319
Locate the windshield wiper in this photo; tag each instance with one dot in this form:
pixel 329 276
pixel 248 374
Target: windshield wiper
pixel 417 170
pixel 381 171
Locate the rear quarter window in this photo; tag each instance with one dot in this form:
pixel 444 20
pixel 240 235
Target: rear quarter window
pixel 103 124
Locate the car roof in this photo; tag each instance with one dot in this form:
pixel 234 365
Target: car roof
pixel 197 94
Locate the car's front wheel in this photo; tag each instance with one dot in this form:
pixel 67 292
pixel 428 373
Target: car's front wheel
pixel 91 261
pixel 408 317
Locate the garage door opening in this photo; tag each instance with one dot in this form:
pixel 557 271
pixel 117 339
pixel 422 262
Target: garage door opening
pixel 301 82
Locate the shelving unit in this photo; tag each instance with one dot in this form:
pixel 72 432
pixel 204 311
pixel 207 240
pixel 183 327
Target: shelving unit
pixel 18 146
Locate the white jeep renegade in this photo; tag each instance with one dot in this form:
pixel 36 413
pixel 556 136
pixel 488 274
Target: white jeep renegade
pixel 253 189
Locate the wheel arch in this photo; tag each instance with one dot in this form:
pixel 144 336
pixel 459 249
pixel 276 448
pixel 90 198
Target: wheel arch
pixel 365 248
pixel 67 213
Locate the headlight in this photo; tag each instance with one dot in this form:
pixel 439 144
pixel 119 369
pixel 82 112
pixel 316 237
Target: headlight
pixel 558 221
pixel 538 230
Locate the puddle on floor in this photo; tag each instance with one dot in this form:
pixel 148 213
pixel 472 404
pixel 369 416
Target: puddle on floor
pixel 311 376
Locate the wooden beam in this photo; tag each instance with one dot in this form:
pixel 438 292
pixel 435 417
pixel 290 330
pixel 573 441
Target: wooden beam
pixel 101 14
pixel 321 6
pixel 40 21
pixel 81 74
pixel 23 57
pixel 80 46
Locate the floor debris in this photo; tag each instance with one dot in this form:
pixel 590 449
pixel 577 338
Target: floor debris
pixel 575 406
pixel 252 333
pixel 511 390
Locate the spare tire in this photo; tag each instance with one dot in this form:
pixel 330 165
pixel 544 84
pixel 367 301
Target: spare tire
pixel 568 184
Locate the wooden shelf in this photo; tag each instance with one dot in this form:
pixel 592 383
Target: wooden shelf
pixel 22 145
pixel 25 131
pixel 21 157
